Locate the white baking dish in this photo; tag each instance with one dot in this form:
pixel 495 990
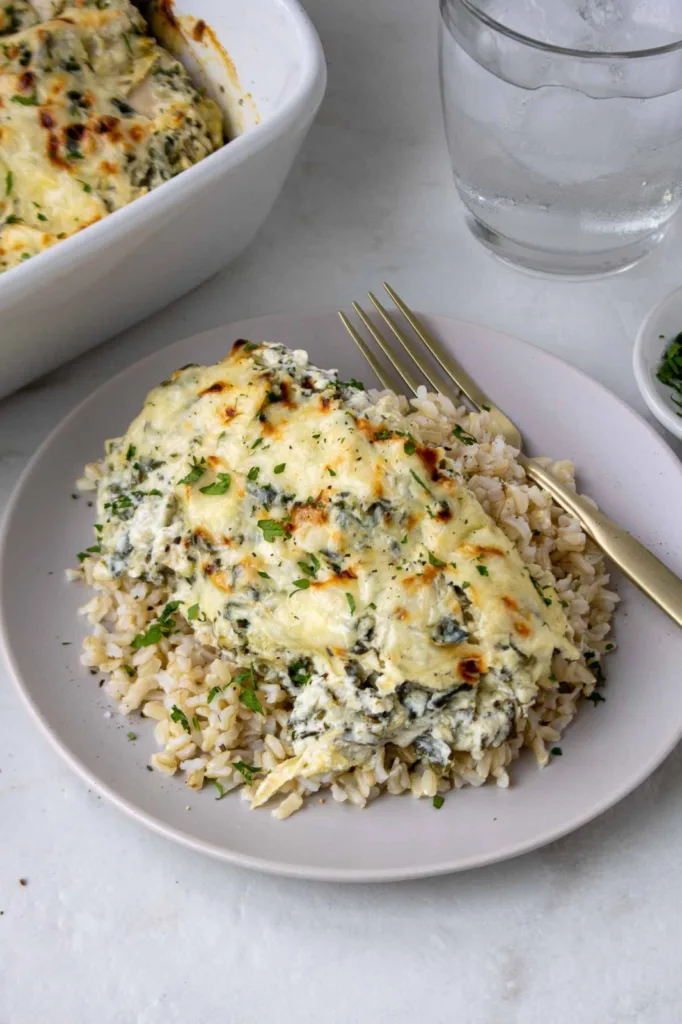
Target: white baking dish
pixel 136 260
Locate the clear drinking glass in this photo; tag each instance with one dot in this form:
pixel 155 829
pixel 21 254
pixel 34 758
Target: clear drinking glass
pixel 564 124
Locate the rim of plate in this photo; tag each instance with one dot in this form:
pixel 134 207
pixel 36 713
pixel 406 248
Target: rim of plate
pixel 263 864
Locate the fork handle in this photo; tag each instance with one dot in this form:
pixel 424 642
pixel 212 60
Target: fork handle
pixel 645 570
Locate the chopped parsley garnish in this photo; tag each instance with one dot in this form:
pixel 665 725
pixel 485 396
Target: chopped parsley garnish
pixel 539 589
pixel 312 568
pixel 250 700
pixel 253 473
pixel 26 101
pixel 193 612
pixel 94 549
pixel 372 606
pixel 195 722
pixel 196 472
pixel 670 371
pixel 41 216
pixel 250 346
pixel 272 528
pixel 219 787
pixel 351 603
pixel 404 540
pixel 462 436
pixel 436 561
pixel 129 670
pixel 177 715
pixel 609 647
pixel 132 736
pixel 246 770
pixel 259 440
pixel 410 447
pixel 219 486
pixel 382 435
pixel 213 693
pixel 483 570
pixel 331 471
pixel 557 751
pixel 280 469
pixel 352 383
pixel 438 802
pixel 153 636
pixel 130 454
pixel 265 575
pixel 158 630
pixel 301 584
pixel 246 678
pixel 420 481
pixel 9 178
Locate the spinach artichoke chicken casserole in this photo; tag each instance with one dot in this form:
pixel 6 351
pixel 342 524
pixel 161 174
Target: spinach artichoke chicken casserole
pixel 93 114
pixel 308 585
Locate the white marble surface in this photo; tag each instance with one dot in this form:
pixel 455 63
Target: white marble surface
pixel 116 925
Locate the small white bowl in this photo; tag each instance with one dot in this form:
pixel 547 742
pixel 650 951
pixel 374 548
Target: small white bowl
pixel 661 326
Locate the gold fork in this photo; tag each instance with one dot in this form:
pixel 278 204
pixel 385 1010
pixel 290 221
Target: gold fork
pixel 645 570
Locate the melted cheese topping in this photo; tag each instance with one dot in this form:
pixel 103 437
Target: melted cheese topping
pixel 93 114
pixel 325 547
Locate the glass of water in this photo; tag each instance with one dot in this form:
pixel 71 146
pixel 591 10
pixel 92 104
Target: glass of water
pixel 564 125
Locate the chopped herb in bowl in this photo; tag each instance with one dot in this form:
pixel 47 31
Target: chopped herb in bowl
pixel 670 371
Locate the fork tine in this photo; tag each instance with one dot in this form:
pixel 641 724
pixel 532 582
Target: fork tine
pixel 386 377
pixel 454 371
pixel 403 368
pixel 435 378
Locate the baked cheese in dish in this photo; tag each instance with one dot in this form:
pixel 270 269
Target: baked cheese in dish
pixel 301 530
pixel 93 114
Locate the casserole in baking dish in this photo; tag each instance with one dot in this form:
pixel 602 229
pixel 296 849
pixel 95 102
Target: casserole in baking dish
pixel 260 62
pixel 93 114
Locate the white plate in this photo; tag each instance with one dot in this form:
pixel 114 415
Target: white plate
pixel 609 750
